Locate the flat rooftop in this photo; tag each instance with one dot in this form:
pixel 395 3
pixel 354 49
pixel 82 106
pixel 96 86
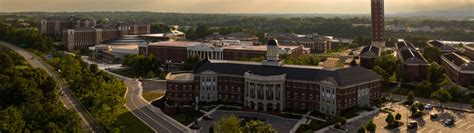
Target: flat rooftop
pixel 257 47
pixel 175 43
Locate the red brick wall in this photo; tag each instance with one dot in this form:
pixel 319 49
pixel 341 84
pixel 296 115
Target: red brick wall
pixel 164 53
pixel 231 86
pixel 302 88
pixel 415 73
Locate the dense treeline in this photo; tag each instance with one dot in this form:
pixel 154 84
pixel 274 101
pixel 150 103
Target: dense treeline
pixel 26 38
pixel 100 93
pixel 29 99
pixel 303 24
pixel 143 65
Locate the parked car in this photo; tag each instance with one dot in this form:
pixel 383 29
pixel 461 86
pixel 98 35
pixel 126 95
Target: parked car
pixel 428 106
pixel 448 122
pixel 412 125
pixel 433 115
pixel 207 117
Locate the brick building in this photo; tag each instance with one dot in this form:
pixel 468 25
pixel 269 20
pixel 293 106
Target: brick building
pixel 179 51
pixel 378 23
pixel 273 86
pixel 459 69
pixel 316 43
pixel 82 38
pixel 56 27
pixel 469 50
pixel 368 55
pixel 413 63
pixel 442 47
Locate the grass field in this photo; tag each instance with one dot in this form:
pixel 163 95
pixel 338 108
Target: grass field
pixel 149 96
pixel 131 124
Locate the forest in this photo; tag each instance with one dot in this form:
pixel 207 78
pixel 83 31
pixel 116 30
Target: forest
pixel 29 99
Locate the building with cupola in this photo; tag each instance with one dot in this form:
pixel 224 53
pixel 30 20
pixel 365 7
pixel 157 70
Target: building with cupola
pixel 272 85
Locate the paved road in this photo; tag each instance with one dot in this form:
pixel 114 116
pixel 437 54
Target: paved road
pixel 147 113
pixel 67 97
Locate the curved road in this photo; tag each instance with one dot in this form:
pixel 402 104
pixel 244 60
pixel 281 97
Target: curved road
pixel 152 116
pixel 67 97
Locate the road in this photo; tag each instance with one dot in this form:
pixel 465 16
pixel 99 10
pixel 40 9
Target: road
pixel 67 97
pixel 450 105
pixel 147 113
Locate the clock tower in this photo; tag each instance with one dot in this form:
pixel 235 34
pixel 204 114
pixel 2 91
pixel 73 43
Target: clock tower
pixel 273 54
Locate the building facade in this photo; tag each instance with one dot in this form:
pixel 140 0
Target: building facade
pixel 368 55
pixel 179 51
pixel 413 63
pixel 378 23
pixel 82 38
pixel 56 27
pixel 272 86
pixel 459 69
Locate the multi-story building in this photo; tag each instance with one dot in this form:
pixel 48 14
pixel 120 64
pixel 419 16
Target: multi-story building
pixel 56 27
pixel 413 63
pixel 469 50
pixel 442 47
pixel 378 23
pixel 272 85
pixel 179 51
pixel 134 28
pixel 80 38
pixel 315 42
pixel 368 55
pixel 459 69
pixel 240 36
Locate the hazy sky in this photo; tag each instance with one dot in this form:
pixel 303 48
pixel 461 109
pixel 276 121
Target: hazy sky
pixel 233 6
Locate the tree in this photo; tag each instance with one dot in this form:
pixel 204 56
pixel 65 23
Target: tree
pixel 371 127
pixel 257 126
pixel 389 63
pixel 435 75
pixel 442 96
pixel 190 63
pixel 389 119
pixel 361 129
pixel 343 121
pixel 382 72
pixel 472 103
pixel 353 62
pixel 457 94
pixel 420 106
pixel 398 116
pixel 410 97
pixel 413 109
pixel 432 54
pixel 227 124
pixel 424 85
pixel 94 68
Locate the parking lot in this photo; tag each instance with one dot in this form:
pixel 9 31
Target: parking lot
pixel 463 122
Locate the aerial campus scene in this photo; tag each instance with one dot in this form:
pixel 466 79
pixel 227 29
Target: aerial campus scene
pixel 228 66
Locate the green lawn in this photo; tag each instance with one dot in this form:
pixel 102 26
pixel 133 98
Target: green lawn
pixel 127 73
pixel 131 124
pixel 149 96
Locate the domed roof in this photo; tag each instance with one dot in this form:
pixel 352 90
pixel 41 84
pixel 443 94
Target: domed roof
pixel 272 42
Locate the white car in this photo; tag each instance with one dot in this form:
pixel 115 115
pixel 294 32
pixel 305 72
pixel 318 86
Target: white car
pixel 428 106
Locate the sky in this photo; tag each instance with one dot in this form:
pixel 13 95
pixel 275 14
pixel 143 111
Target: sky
pixel 234 6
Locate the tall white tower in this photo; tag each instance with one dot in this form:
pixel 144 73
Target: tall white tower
pixel 273 54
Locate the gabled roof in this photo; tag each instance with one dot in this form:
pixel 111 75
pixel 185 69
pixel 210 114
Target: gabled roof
pixel 409 55
pixel 459 61
pixel 342 76
pixel 370 51
pixel 441 46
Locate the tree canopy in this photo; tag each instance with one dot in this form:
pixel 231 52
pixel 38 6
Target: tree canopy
pixel 29 100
